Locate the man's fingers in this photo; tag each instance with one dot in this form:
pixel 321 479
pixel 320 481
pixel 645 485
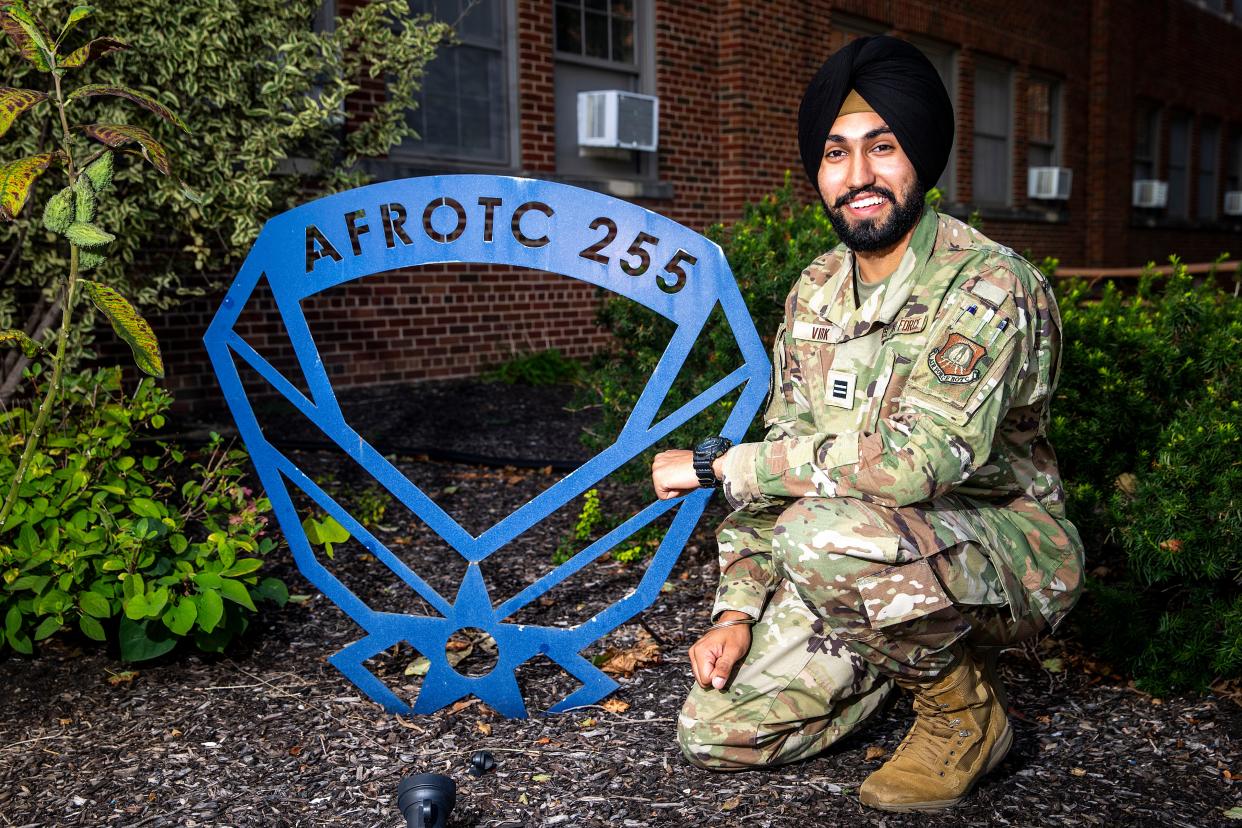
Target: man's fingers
pixel 721 669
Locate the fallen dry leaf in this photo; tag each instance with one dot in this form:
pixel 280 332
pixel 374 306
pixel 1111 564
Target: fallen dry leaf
pixel 484 728
pixel 123 677
pixel 730 804
pixel 625 662
pixel 296 750
pixel 875 752
pixel 615 706
pixel 543 741
pixel 587 722
pixel 1078 772
pixel 462 705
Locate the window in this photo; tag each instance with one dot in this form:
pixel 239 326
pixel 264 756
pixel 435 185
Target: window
pixel 1179 166
pixel 944 58
pixel 992 175
pixel 601 44
pixel 1233 181
pixel 601 29
pixel 1146 141
pixel 1043 119
pixel 464 111
pixel 1209 159
pixel 846 29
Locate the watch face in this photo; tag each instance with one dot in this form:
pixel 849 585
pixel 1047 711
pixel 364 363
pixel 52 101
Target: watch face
pixel 713 445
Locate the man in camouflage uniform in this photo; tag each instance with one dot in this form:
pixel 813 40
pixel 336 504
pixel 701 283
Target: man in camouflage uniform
pixel 904 511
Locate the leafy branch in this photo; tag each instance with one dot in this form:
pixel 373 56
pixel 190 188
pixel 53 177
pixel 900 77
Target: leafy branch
pixel 73 212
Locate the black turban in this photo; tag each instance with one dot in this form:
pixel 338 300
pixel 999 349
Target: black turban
pixel 903 88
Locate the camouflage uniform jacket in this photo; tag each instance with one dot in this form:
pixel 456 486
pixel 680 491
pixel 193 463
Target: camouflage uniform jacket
pixel 940 382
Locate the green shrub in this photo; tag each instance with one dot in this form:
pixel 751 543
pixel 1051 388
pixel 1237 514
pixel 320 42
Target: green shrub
pixel 548 367
pixel 128 540
pixel 1146 427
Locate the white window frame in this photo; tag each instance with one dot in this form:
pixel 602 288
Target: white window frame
pixel 1055 117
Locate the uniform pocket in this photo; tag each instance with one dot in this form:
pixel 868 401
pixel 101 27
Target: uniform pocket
pixel 902 593
pixel 966 361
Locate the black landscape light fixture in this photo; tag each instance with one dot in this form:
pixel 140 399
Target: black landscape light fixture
pixel 425 800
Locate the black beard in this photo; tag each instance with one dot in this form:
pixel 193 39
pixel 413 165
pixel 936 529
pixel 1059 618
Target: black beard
pixel 867 235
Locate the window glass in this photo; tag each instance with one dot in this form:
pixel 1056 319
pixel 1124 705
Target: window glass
pixel 1179 166
pixel 1146 141
pixel 1209 152
pixel 599 29
pixel 991 173
pixel 944 59
pixel 1234 158
pixel 1043 118
pixel 463 111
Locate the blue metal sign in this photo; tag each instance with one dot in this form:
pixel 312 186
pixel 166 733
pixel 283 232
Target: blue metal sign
pixel 490 220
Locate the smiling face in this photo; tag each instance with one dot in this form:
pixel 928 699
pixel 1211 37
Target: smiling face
pixel 870 189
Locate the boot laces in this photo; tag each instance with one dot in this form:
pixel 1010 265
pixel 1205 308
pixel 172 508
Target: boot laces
pixel 941 728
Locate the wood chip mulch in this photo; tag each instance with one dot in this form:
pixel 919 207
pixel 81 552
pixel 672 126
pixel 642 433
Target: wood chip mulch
pixel 272 735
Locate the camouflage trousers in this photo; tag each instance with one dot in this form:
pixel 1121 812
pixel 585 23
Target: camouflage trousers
pixel 865 593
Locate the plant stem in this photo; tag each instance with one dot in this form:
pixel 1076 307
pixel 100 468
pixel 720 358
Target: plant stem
pixel 58 361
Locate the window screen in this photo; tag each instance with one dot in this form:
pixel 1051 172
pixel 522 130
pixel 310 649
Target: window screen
pixel 463 111
pixel 992 172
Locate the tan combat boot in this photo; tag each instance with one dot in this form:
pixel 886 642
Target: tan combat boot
pixel 960 733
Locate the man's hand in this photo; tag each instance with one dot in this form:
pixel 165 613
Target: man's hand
pixel 672 473
pixel 714 656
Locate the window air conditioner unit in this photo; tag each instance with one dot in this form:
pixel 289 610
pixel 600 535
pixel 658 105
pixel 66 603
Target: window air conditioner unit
pixel 1148 193
pixel 1049 182
pixel 1233 203
pixel 618 119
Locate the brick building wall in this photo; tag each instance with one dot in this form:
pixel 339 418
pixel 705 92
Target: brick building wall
pixel 729 75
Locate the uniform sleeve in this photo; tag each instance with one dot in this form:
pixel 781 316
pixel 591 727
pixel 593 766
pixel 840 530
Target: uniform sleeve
pixel 958 392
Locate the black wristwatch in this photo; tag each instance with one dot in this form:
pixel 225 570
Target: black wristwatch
pixel 705 453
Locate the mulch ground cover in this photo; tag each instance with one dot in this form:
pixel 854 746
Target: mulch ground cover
pixel 272 735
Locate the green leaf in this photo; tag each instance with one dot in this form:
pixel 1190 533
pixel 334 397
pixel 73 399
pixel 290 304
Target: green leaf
pixel 13 102
pixel 94 604
pixel 12 619
pixel 140 98
pixel 118 135
pixel 136 606
pixel 84 234
pixel 76 15
pixel 236 592
pixel 143 506
pixel 210 609
pixel 91 628
pixel 178 543
pixel 180 616
pixel 93 51
pixel 49 626
pixel 14 337
pixel 208 580
pixel 274 590
pixel 141 640
pixel 129 325
pixel 20 642
pixel 16 179
pixel 30 38
pixel 156 601
pixel 242 567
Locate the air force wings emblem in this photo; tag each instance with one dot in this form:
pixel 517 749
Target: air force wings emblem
pixel 488 220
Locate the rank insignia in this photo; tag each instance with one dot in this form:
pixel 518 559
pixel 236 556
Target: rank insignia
pixel 955 360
